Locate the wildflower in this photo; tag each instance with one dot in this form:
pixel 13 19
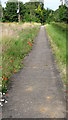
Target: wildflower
pixel 5 78
pixel 31 45
pixel 0 67
pixel 11 61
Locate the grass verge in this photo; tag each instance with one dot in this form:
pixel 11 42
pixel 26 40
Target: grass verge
pixel 17 43
pixel 57 35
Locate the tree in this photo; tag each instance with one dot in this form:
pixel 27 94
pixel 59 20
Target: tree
pixel 30 11
pixel 1 14
pixel 49 15
pixel 61 14
pixel 21 11
pixel 30 14
pixel 10 12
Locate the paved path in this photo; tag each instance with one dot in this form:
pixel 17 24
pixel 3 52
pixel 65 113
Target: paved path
pixel 36 91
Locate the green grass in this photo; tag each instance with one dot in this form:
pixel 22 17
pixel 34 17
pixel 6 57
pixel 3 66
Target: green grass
pixel 57 35
pixel 14 50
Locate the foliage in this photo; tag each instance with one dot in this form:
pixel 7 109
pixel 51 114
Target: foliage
pixel 10 12
pixel 33 11
pixel 57 33
pixel 22 11
pixel 49 15
pixel 1 12
pixel 61 14
pixel 15 47
pixel 29 12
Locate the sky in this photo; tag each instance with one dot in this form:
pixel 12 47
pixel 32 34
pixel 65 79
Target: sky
pixel 52 4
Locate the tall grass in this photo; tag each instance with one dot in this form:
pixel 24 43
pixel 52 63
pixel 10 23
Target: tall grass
pixel 0 56
pixel 17 42
pixel 57 34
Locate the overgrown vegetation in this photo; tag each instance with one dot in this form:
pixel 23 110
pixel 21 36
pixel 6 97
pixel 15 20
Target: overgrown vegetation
pixel 17 42
pixel 57 34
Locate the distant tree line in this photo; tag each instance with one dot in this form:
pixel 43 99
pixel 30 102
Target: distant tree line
pixel 33 12
pixel 60 15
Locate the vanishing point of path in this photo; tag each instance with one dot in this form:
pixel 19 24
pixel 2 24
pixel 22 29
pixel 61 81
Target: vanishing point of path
pixel 36 91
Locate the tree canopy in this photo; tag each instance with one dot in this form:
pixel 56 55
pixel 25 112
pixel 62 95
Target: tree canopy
pixel 1 14
pixel 33 11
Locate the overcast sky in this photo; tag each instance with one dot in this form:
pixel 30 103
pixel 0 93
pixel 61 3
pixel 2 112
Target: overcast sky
pixel 52 4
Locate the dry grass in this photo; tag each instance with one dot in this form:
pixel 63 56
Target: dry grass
pixel 11 30
pixel 15 46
